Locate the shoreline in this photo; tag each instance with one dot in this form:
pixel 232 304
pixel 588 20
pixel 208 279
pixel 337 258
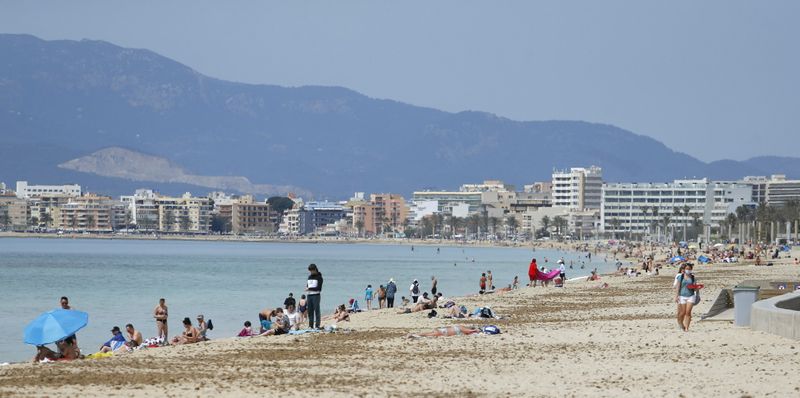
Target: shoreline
pixel 598 335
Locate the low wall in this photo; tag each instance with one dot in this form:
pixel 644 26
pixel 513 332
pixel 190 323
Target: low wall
pixel 778 315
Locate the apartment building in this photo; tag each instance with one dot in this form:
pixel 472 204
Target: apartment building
pixel 627 207
pixel 89 213
pixel 313 217
pixel 384 212
pixel 13 212
pixel 247 216
pixel 184 214
pixel 578 188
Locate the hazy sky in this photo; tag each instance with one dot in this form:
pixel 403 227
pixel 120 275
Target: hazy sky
pixel 715 79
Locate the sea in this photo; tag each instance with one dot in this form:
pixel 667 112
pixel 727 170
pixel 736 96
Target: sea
pixel 120 281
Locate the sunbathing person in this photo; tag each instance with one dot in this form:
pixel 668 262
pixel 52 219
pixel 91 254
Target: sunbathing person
pixel 190 334
pixel 340 314
pixel 67 350
pixel 453 330
pixel 116 341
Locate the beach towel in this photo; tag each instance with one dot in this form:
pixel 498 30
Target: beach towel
pixel 304 331
pixel 548 276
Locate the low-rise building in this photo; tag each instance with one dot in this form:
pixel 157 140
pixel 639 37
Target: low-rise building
pixel 384 213
pixel 25 191
pixel 248 216
pixel 89 213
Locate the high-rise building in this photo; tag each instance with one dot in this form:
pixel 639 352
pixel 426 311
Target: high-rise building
pixel 775 190
pixel 578 188
pixel 383 213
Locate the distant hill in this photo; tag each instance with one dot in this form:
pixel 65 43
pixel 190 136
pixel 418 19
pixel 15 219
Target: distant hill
pixel 63 101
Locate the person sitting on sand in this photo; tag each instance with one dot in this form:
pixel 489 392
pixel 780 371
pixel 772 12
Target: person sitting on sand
pixel 190 333
pixel 247 331
pixel 265 321
pixel 454 330
pixel 593 276
pixel 134 335
pixel 202 327
pixel 404 301
pixel 116 341
pixel 67 350
pixel 281 326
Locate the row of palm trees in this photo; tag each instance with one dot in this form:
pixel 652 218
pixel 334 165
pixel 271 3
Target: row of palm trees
pixel 449 226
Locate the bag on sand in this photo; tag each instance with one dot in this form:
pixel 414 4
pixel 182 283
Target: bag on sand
pixel 491 329
pixel 432 314
pixel 696 297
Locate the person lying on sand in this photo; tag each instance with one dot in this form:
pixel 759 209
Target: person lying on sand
pixel 454 330
pixel 190 334
pixel 423 304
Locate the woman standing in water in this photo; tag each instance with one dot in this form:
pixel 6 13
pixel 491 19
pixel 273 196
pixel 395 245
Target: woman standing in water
pixel 313 293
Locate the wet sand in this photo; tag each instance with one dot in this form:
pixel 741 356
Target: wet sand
pixel 576 341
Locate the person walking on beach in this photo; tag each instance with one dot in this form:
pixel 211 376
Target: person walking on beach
pixel 562 272
pixel 160 313
pixel 515 284
pixel 314 291
pixel 482 283
pixel 301 309
pixel 533 269
pixel 434 282
pixel 685 297
pixel 391 290
pixel 414 289
pixel 368 297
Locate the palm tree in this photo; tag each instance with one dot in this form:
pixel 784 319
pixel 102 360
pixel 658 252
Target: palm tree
pixel 46 220
pixel 645 210
pixel 545 221
pixel 730 221
pixel 453 222
pixel 655 218
pixel 33 222
pixel 185 222
pixel 512 224
pixel 169 221
pixel 91 223
pixel 359 224
pixel 494 222
pixel 665 222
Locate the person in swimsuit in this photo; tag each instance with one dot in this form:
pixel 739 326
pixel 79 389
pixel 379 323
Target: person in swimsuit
pixel 190 334
pixel 454 330
pixel 160 313
pixel 483 283
pixel 381 296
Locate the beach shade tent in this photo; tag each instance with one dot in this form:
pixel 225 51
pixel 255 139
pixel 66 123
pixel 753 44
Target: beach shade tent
pixel 55 325
pixel 677 259
pixel 704 259
pixel 682 244
pixel 719 245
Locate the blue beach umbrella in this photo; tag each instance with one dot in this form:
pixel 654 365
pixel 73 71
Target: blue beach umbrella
pixel 677 259
pixel 55 325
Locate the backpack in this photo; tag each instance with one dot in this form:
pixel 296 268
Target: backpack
pixel 486 312
pixel 490 329
pixel 432 314
pixel 210 325
pixel 415 290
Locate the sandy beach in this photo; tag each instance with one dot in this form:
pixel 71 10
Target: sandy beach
pixel 576 341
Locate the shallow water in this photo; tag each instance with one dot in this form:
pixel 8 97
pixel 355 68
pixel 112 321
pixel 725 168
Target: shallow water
pixel 120 281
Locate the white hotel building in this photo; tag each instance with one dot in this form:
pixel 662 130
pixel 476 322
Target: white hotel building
pixel 627 207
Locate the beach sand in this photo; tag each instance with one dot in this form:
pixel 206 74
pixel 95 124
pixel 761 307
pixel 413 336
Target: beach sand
pixel 576 341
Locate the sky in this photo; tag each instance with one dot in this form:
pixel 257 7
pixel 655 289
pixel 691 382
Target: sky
pixel 715 79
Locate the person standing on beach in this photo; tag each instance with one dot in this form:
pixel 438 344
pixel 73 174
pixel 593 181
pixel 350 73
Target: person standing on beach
pixel 489 282
pixel 381 297
pixel 482 283
pixel 301 309
pixel 434 282
pixel 414 289
pixel 368 297
pixel 533 269
pixel 160 313
pixel 290 302
pixel 562 272
pixel 391 290
pixel 313 292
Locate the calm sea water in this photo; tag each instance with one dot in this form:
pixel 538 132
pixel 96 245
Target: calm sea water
pixel 120 281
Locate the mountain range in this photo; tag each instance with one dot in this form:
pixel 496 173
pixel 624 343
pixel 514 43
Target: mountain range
pixel 114 119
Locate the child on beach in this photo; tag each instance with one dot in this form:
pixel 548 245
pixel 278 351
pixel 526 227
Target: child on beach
pixel 301 309
pixel 368 297
pixel 247 331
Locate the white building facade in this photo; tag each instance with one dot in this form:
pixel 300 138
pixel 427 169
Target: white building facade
pixel 628 207
pixel 26 191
